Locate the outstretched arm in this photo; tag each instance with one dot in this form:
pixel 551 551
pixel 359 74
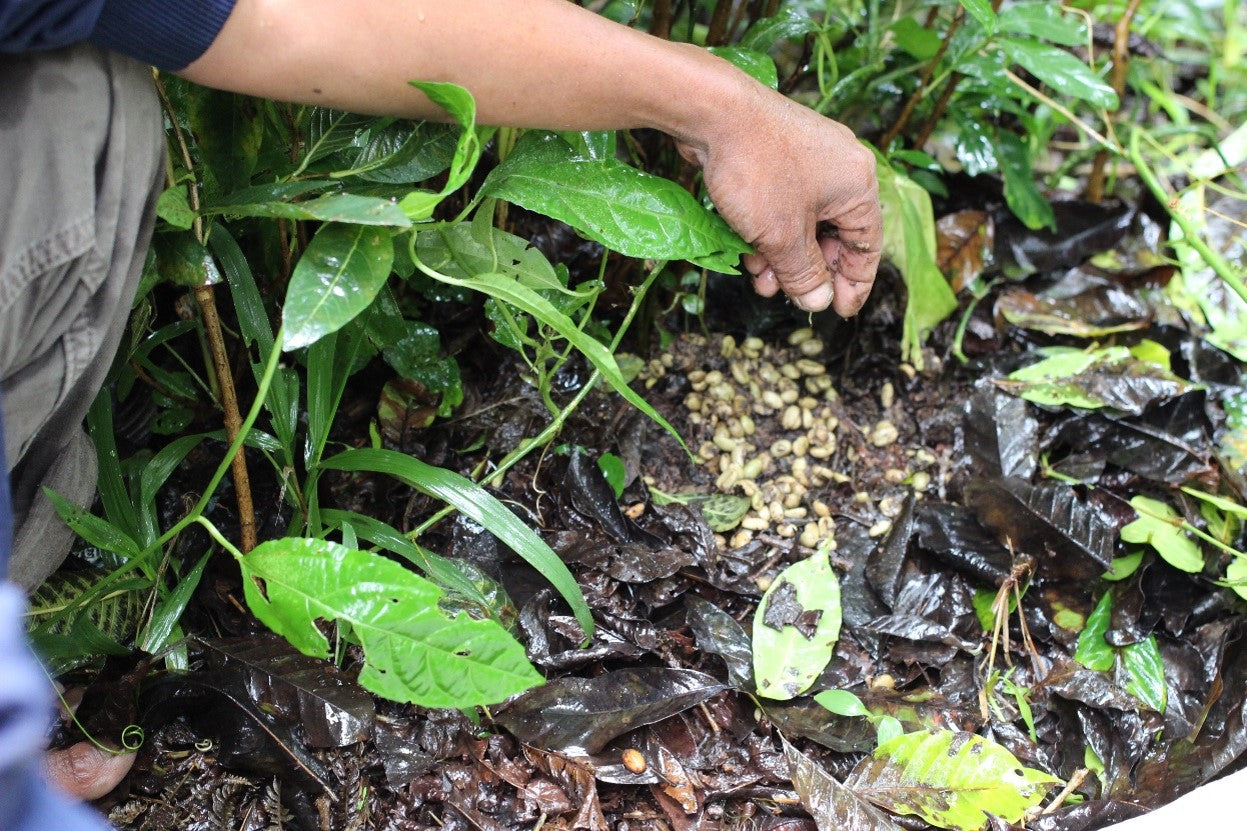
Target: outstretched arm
pixel 774 169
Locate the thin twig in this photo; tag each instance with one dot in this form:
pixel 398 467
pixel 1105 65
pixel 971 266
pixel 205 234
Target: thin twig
pixel 1121 65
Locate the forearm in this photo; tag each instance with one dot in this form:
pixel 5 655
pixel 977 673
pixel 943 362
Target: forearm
pixel 528 63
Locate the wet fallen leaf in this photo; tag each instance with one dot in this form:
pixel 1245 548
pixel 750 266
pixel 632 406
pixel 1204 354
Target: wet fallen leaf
pixel 950 779
pixel 718 632
pixel 582 714
pixel 1108 377
pixel 1001 434
pixel 1095 313
pixel 833 806
pixel 964 243
pixel 796 627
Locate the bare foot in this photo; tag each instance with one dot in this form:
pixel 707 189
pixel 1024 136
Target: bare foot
pixel 86 772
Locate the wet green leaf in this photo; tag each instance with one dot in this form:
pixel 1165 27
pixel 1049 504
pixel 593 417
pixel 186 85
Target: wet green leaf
pixel 96 530
pixel 1160 526
pixel 184 261
pixel 842 703
pixel 796 627
pixel 476 503
pixel 623 208
pixel 1093 651
pixel 788 23
pixel 338 275
pixel 1060 70
pixel 156 634
pixel 1145 673
pixel 1229 506
pixel 1023 197
pixel 917 40
pixel 412 651
pixel 1044 20
pixel 612 468
pixel 458 102
pixel 757 65
pixel 1236 576
pixel 982 11
pixel 1123 567
pixel 950 779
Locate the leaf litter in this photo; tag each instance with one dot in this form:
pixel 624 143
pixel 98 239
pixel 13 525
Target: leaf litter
pixel 919 491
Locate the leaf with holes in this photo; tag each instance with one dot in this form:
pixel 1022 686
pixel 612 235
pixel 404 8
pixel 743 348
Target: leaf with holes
pixel 796 628
pixel 952 779
pixel 412 650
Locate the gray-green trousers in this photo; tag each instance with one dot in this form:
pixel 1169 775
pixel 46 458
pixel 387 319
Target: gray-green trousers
pixel 81 166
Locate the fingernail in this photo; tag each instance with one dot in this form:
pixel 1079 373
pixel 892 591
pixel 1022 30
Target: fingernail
pixel 815 300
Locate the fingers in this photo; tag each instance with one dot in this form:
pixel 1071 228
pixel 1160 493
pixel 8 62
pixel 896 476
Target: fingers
pixel 849 266
pixel 799 268
pixel 86 772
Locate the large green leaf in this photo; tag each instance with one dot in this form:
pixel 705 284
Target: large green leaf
pixel 412 650
pixel 796 627
pixel 625 209
pixel 1061 71
pixel 983 12
pixel 476 503
pixel 788 23
pixel 951 779
pixel 510 290
pixel 342 269
pixel 757 65
pixel 909 242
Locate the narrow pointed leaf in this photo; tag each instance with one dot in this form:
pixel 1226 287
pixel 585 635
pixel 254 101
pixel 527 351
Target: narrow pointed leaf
pixel 1145 673
pixel 1061 71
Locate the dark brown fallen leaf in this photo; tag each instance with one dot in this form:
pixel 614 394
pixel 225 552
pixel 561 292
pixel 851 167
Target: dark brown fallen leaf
pixel 964 244
pixel 582 714
pixel 833 806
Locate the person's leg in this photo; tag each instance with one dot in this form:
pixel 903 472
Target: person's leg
pixel 81 162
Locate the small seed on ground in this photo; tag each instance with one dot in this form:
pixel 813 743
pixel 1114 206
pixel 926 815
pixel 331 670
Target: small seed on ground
pixel 634 760
pixel 884 433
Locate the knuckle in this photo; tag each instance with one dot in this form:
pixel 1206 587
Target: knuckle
pixel 803 280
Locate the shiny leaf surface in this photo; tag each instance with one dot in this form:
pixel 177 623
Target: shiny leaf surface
pixel 796 627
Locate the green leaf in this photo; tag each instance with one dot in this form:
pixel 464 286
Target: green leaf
pixel 509 290
pixel 173 207
pixel 1145 673
pixel 228 130
pixel 330 207
pixel 184 261
pixel 342 269
pixel 1122 567
pixel 1160 526
pixel 796 627
pixel 888 728
pixel 917 40
pixel 413 652
pixel 788 23
pixel 155 635
pixel 403 153
pixel 623 208
pixel 950 779
pixel 1093 651
pixel 842 703
pixel 1229 506
pixel 97 531
pixel 1061 71
pixel 458 102
pixel 471 500
pixel 982 11
pixel 612 468
pixel 1236 576
pixel 1044 20
pixel 909 242
pixel 723 511
pixel 465 250
pixel 757 65
pixel 1024 199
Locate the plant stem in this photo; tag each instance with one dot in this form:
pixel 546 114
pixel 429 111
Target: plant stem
pixel 661 19
pixel 717 32
pixel 1190 234
pixel 1121 65
pixel 917 95
pixel 233 419
pixel 266 381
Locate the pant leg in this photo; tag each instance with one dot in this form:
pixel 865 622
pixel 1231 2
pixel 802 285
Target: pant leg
pixel 81 152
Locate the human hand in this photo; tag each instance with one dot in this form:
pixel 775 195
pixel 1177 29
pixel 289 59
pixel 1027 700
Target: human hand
pixel 783 176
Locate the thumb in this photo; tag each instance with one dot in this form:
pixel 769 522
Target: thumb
pixel 800 270
pixel 86 772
